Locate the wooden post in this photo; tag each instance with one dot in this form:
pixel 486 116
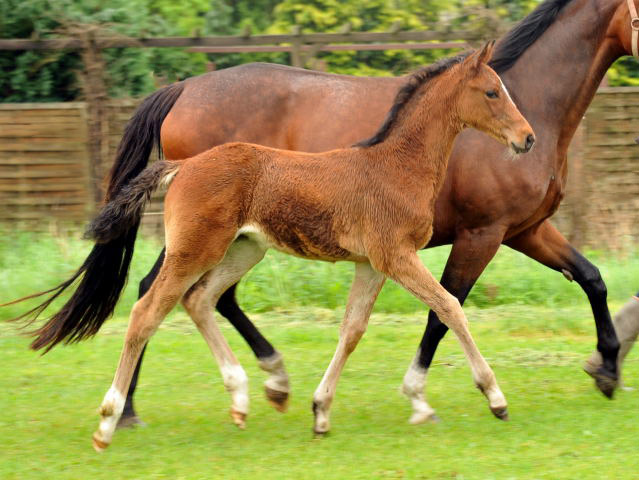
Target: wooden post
pixel 95 94
pixel 296 53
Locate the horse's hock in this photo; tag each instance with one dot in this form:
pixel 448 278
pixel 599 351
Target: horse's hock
pixel 46 172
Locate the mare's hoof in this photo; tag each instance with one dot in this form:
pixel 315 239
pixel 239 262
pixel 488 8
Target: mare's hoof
pixel 501 413
pixel 130 421
pixel 98 445
pixel 605 381
pixel 277 399
pixel 239 419
pixel 320 432
pixel 418 418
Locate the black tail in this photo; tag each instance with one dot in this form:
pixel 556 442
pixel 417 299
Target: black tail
pixel 103 274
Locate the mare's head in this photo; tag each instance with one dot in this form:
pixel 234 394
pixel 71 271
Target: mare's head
pixel 485 104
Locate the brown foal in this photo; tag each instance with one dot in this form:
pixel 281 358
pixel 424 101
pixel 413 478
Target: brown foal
pixel 371 204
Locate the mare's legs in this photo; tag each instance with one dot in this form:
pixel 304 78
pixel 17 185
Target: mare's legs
pixel 408 270
pixel 546 245
pixel 199 300
pixel 626 323
pixel 276 386
pixel 366 286
pixel 470 254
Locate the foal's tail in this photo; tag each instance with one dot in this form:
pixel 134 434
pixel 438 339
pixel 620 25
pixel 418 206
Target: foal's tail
pixel 103 274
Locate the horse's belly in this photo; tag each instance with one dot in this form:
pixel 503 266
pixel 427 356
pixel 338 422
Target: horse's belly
pixel 297 241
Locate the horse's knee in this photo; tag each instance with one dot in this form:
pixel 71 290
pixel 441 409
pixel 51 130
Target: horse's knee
pixel 591 281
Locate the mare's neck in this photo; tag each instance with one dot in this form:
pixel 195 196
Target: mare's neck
pixel 555 80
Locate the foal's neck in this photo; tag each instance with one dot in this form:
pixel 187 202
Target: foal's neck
pixel 422 137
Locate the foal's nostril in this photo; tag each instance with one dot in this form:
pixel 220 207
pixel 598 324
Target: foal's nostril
pixel 530 141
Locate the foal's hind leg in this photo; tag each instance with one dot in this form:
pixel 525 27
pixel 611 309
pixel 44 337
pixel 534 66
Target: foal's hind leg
pixel 146 316
pixel 409 272
pixel 241 256
pixel 270 360
pixel 366 286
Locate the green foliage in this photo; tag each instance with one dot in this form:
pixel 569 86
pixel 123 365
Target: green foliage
pixel 52 75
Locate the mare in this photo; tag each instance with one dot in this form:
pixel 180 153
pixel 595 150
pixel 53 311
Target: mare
pixel 371 204
pixel 552 62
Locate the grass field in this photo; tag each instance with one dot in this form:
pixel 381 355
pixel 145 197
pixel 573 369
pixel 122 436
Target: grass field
pixel 560 427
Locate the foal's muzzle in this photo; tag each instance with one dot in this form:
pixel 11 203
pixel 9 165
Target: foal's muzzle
pixel 527 145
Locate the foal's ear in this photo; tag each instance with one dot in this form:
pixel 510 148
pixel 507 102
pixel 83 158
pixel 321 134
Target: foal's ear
pixel 483 56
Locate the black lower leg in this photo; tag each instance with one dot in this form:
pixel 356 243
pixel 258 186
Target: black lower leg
pixel 229 309
pixel 589 279
pixel 435 329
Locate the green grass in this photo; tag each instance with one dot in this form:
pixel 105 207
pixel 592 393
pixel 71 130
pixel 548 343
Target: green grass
pixel 560 427
pixel 533 326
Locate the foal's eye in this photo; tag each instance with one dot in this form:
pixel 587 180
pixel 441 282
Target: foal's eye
pixel 492 94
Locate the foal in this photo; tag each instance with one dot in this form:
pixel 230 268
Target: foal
pixel 371 204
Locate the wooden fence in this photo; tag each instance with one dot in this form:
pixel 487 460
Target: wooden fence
pixel 45 173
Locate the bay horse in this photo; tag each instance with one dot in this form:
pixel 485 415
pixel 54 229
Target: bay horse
pixel 553 63
pixel 371 204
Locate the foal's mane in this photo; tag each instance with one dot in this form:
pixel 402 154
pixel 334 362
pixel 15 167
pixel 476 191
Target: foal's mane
pixel 407 92
pixel 508 51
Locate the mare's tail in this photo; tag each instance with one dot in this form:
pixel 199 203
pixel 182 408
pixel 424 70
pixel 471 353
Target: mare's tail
pixel 103 274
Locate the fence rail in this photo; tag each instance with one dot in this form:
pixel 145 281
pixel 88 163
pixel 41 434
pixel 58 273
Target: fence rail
pixel 45 169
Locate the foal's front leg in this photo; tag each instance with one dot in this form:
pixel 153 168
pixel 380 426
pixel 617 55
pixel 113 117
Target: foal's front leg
pixel 364 291
pixel 407 270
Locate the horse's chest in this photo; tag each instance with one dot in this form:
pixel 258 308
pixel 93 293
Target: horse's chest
pixel 555 193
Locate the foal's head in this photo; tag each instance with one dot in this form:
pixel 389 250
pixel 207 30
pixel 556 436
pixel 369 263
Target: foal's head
pixel 485 104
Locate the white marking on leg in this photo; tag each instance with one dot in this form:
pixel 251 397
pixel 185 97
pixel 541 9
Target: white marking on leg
pixel 236 383
pixel 413 388
pixel 278 378
pixel 110 411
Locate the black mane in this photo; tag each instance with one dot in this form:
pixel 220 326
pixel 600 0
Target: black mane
pixel 508 51
pixel 520 38
pixel 415 80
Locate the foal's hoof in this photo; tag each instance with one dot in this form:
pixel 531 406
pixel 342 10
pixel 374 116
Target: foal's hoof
pixel 418 418
pixel 239 419
pixel 129 422
pixel 277 399
pixel 500 412
pixel 605 381
pixel 98 445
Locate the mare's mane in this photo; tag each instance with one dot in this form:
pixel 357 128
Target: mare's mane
pixel 508 51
